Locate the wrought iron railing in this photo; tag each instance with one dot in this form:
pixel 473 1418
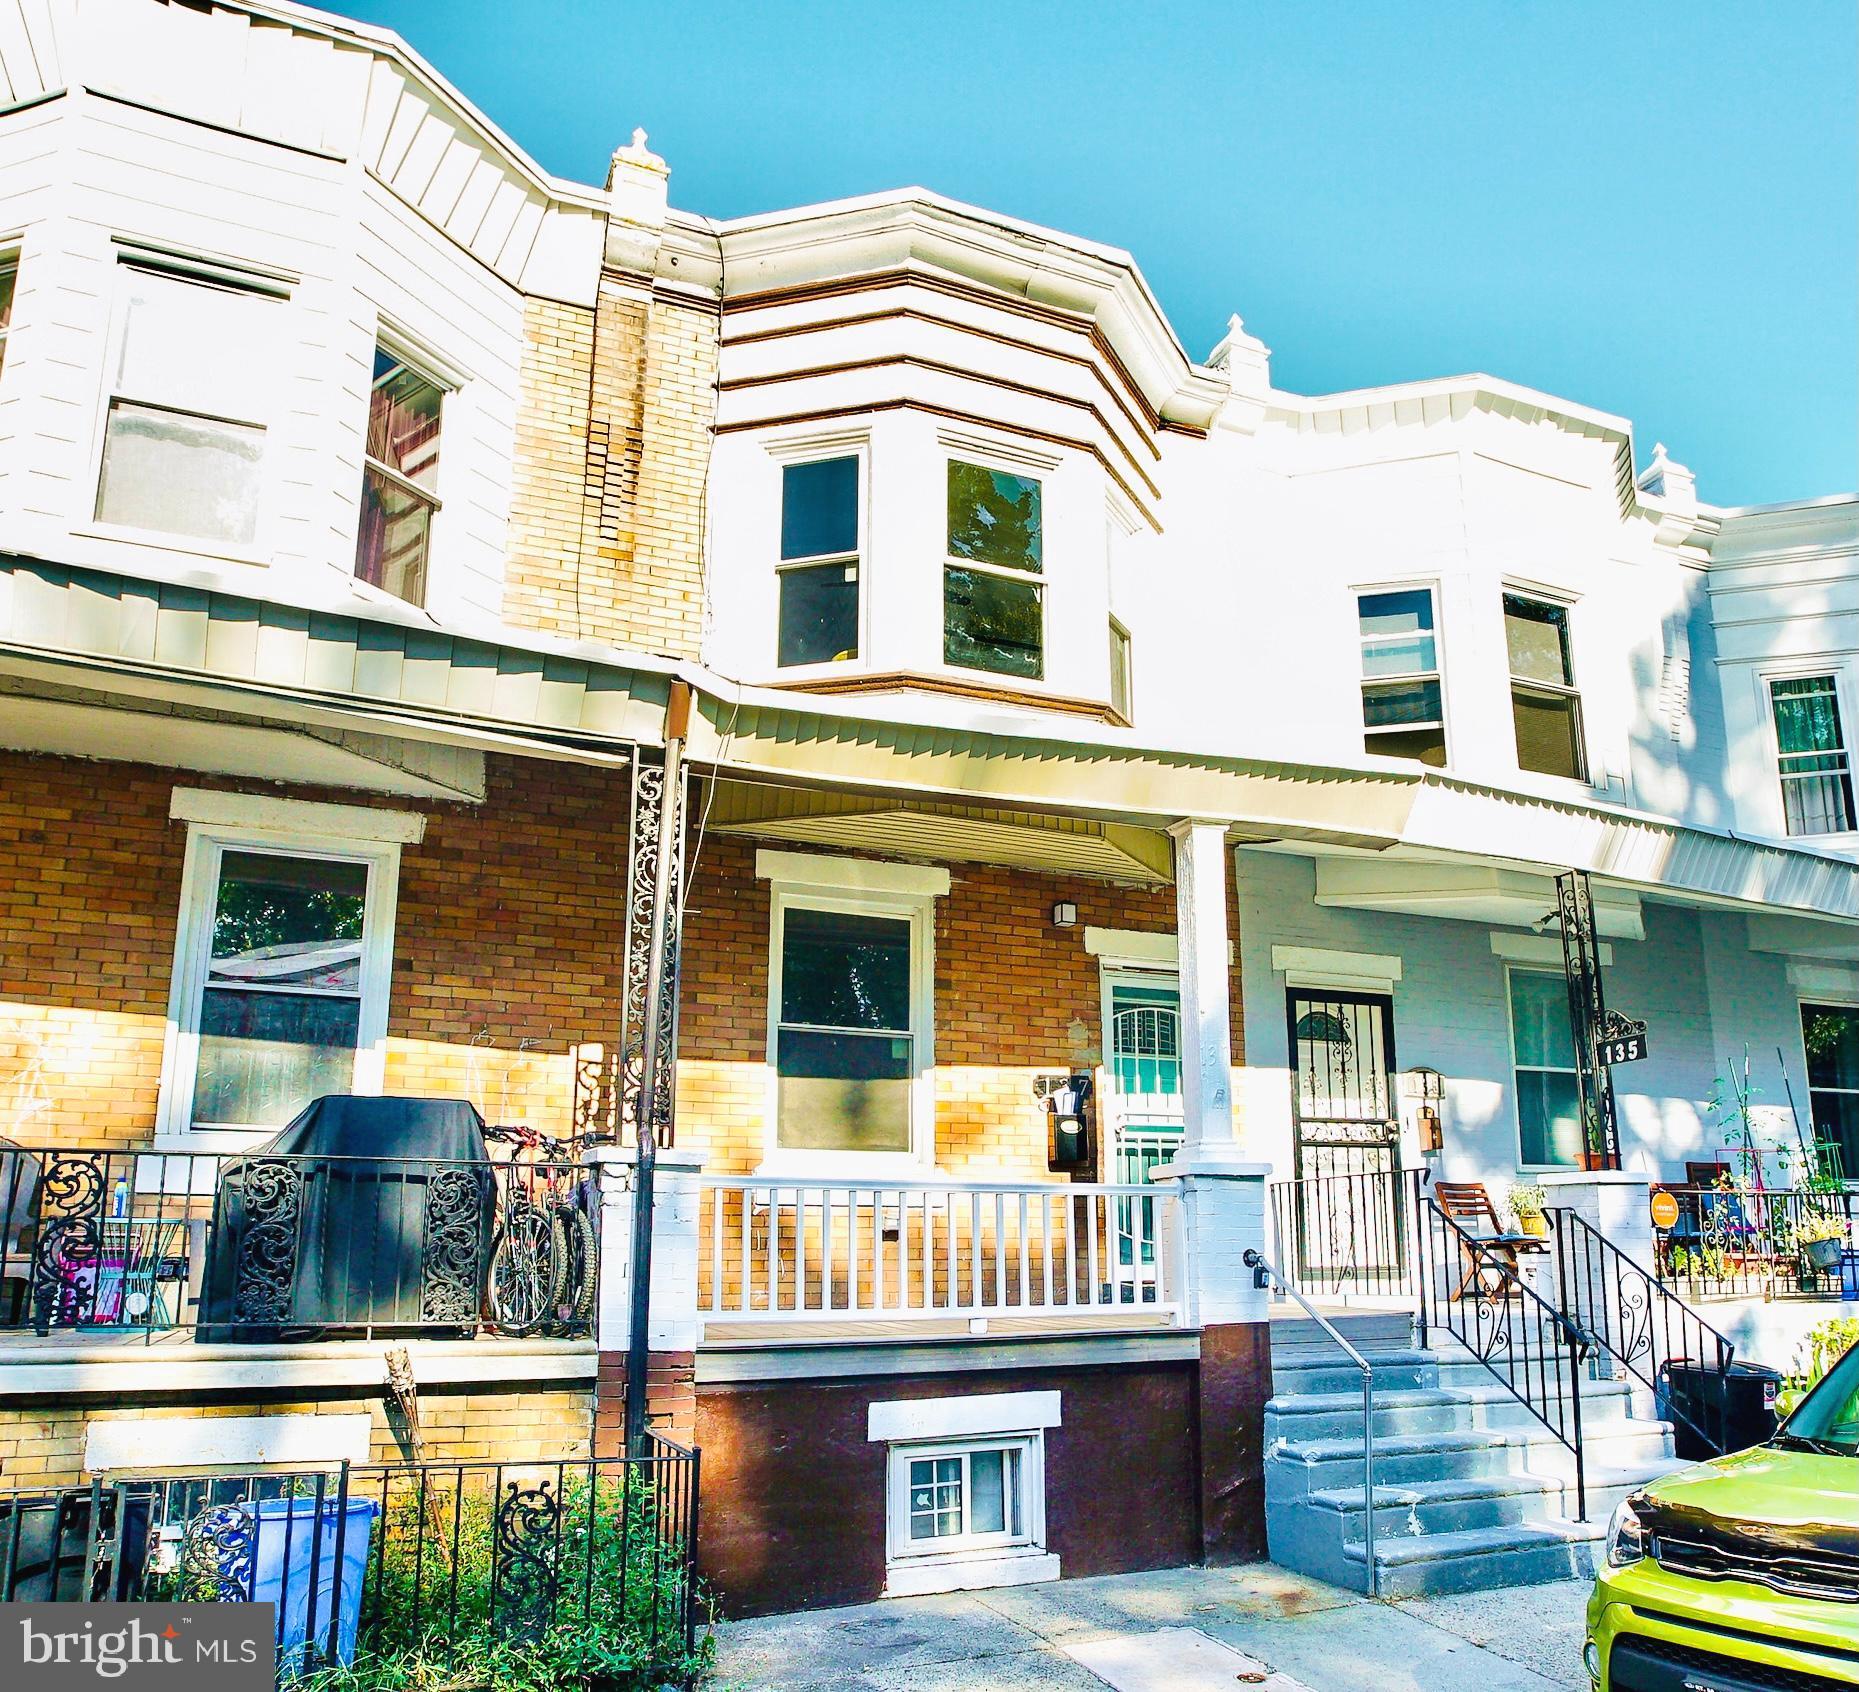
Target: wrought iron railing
pixel 1347 1234
pixel 582 1566
pixel 1643 1325
pixel 1472 1288
pixel 264 1247
pixel 1732 1242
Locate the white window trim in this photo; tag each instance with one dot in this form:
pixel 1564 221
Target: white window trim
pixel 967 1562
pixel 251 1442
pixel 822 450
pixel 1844 694
pixel 1566 601
pixel 987 456
pixel 908 891
pixel 1430 587
pixel 218 822
pixel 968 1415
pixel 1516 1098
pixel 1322 967
pixel 206 273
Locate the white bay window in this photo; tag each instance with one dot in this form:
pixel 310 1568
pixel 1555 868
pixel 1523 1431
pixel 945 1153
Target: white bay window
pixel 184 429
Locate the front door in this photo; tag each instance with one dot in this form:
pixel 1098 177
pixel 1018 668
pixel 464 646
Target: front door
pixel 1142 1102
pixel 1346 1135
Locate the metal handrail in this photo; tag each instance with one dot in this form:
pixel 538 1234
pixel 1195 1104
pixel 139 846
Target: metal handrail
pixel 1483 1256
pixel 1600 1268
pixel 1262 1266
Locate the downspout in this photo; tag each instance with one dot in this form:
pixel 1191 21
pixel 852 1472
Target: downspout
pixel 670 825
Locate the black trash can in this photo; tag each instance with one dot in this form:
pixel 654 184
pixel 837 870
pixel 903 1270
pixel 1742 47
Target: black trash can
pixel 1740 1408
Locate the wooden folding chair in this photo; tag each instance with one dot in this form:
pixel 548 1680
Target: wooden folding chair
pixel 1493 1250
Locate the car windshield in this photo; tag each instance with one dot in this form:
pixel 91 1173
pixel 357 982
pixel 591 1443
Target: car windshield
pixel 1828 1418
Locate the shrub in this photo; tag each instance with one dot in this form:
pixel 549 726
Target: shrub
pixel 591 1597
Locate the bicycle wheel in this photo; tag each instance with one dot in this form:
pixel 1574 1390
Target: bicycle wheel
pixel 527 1270
pixel 579 1284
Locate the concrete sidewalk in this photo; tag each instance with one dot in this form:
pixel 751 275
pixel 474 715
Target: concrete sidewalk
pixel 1176 1630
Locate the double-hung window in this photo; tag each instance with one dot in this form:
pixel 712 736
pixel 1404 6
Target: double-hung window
pixel 400 478
pixel 1543 1050
pixel 1831 1035
pixel 1544 706
pixel 1402 715
pixel 9 277
pixel 819 569
pixel 1122 699
pixel 185 424
pixel 993 610
pixel 1816 774
pixel 282 962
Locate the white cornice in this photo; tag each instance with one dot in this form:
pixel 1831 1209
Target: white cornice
pixel 913 229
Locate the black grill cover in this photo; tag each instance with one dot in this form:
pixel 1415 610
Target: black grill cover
pixel 364 1214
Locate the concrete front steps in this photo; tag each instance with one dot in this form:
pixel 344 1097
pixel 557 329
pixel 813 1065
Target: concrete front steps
pixel 1471 1490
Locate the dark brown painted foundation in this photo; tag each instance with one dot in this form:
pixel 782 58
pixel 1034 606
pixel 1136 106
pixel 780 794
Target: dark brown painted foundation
pixel 794 1489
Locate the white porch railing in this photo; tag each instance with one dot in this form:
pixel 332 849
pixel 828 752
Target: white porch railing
pixel 775 1250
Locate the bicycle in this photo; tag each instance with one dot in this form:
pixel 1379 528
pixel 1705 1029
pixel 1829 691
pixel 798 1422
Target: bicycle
pixel 542 1272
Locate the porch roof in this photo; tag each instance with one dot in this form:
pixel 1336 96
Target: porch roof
pixel 157 643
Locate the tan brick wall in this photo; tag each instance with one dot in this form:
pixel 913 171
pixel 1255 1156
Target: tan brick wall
pixel 42 1445
pixel 1015 997
pixel 506 951
pixel 612 451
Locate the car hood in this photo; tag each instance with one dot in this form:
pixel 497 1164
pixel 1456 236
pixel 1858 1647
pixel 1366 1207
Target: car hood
pixel 1792 1498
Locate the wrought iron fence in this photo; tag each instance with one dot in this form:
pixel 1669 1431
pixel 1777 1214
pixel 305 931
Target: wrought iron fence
pixel 1347 1234
pixel 263 1247
pixel 1471 1287
pixel 1732 1242
pixel 448 1573
pixel 1641 1323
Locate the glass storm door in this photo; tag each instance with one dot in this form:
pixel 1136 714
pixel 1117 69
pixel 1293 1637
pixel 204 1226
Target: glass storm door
pixel 1143 1078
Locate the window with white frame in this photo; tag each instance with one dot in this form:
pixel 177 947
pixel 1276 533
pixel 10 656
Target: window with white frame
pixel 400 478
pixel 967 1497
pixel 1810 741
pixel 1543 1058
pixel 818 621
pixel 993 608
pixel 1402 713
pixel 281 969
pixel 1545 707
pixel 9 278
pixel 1830 1037
pixel 849 1004
pixel 190 390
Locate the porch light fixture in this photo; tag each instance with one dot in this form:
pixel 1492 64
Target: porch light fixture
pixel 1427 1087
pixel 1065 914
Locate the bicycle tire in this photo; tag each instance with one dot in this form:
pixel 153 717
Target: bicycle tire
pixel 581 1257
pixel 527 1268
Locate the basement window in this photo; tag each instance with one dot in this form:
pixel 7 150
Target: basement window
pixel 400 478
pixel 819 569
pixel 966 1514
pixel 993 604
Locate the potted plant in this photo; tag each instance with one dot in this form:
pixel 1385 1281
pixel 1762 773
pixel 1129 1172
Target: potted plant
pixel 1593 1146
pixel 1527 1210
pixel 1821 1238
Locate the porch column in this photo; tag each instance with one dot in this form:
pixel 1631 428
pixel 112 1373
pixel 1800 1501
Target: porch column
pixel 1617 1205
pixel 1219 1213
pixel 1206 1013
pixel 671 1339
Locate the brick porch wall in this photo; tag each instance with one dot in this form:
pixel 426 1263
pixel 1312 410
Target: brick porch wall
pixel 1014 997
pixel 507 932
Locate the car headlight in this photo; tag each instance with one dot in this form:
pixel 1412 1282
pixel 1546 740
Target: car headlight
pixel 1626 1536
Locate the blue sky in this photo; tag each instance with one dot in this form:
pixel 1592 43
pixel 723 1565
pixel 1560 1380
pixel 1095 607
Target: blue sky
pixel 1649 208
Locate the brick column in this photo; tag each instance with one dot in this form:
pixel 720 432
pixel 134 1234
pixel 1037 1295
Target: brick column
pixel 671 1401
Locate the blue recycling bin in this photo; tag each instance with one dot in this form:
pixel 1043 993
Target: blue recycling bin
pixel 1849 1273
pixel 288 1537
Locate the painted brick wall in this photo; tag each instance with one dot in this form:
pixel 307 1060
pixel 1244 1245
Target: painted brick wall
pixel 505 957
pixel 1014 997
pixel 44 1444
pixel 613 449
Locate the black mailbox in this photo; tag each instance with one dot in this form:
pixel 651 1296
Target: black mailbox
pixel 1068 1126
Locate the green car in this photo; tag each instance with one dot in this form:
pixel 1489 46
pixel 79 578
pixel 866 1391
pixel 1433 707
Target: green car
pixel 1742 1574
